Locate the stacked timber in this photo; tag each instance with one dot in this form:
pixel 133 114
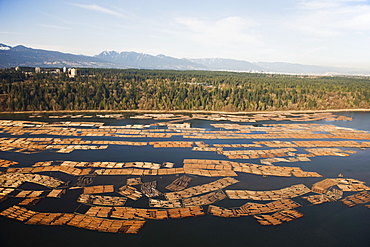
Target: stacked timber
pixel 29 193
pixel 133 181
pixel 14 180
pixel 102 200
pixel 330 195
pixel 96 211
pixel 278 217
pixel 98 189
pixel 172 144
pixel 206 199
pixel 56 193
pixel 81 221
pixel 179 183
pixel 7 163
pixel 149 189
pixel 65 169
pixel 252 208
pixel 5 191
pixel 139 213
pixel 30 201
pixel 288 192
pixel 358 198
pixel 130 192
pixel 342 183
pixel 201 189
pixel 156 203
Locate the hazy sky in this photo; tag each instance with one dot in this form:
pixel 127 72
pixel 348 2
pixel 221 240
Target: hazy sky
pixel 320 32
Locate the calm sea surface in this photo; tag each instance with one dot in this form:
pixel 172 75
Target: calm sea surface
pixel 328 224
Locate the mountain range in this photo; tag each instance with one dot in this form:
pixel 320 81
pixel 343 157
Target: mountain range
pixel 24 56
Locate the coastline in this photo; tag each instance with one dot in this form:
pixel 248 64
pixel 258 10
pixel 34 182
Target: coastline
pixel 190 111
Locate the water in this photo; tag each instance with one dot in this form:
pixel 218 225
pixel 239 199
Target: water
pixel 328 224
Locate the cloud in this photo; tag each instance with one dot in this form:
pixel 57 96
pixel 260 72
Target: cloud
pixel 320 4
pixel 332 17
pixel 226 31
pixel 98 8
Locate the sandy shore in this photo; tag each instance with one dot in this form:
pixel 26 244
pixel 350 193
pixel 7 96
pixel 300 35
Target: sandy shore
pixel 188 111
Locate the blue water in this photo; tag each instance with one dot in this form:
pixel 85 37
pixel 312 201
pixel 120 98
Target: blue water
pixel 326 225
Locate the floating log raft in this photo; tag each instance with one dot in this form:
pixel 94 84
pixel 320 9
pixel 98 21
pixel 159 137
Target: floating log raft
pixel 14 180
pixel 149 189
pixel 34 145
pixel 232 131
pixel 98 189
pixel 278 217
pixel 256 154
pixel 102 200
pixel 358 198
pixel 56 193
pixel 275 117
pixel 81 221
pixel 327 152
pixel 156 214
pixel 139 213
pixel 311 144
pixel 65 169
pixel 130 192
pixel 343 184
pixel 179 183
pixel 29 193
pixel 288 192
pixel 270 161
pixel 7 163
pixel 228 167
pixel 206 199
pixel 177 213
pixel 18 213
pixel 330 196
pixel 125 131
pixel 156 203
pixel 201 189
pixel 102 212
pixel 83 181
pixel 252 208
pixel 134 181
pixel 5 191
pixel 30 201
pixel 172 144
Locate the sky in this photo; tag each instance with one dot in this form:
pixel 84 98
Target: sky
pixel 313 32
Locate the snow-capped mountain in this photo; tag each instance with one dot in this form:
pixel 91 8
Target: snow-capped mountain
pixel 24 56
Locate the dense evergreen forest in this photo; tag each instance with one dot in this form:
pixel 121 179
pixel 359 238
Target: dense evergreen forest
pixel 117 89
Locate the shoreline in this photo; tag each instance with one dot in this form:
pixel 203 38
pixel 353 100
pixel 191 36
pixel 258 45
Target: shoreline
pixel 190 111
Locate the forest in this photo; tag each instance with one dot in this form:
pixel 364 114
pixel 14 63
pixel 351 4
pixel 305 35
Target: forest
pixel 132 89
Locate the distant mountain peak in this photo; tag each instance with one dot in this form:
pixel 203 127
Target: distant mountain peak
pixel 132 59
pixel 5 47
pixel 20 48
pixel 109 53
pixel 24 56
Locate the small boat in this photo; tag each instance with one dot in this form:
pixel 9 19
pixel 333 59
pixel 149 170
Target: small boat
pixel 340 175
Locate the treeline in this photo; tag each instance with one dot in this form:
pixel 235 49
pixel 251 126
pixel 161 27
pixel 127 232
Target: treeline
pixel 114 89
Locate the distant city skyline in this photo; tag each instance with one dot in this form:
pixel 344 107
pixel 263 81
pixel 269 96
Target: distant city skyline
pixel 316 32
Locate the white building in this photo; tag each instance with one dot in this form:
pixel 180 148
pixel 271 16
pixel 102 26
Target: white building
pixel 72 72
